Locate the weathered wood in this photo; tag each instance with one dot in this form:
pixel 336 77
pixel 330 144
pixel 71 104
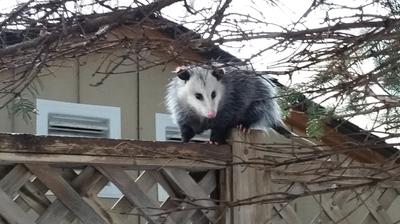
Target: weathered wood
pixel 29 148
pixel 225 184
pixel 249 181
pixel 15 179
pixel 145 205
pixel 10 211
pixel 332 211
pixel 334 138
pixel 64 192
pixel 208 183
pixel 22 204
pixel 38 204
pixel 31 196
pixel 187 186
pixel 56 212
pixel 375 209
pixel 287 213
pixel 129 163
pixel 145 182
pixel 388 197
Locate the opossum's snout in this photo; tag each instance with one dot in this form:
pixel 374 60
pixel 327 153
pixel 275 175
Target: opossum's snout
pixel 211 114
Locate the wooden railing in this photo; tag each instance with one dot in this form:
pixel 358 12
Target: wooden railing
pixel 33 166
pixel 46 179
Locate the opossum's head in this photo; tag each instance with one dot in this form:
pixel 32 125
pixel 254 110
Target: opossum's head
pixel 201 89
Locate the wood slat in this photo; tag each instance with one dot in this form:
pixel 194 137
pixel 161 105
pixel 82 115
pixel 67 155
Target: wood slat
pixel 11 212
pixel 208 183
pixel 287 213
pixel 186 185
pixel 145 205
pixel 145 182
pixel 56 212
pixel 29 148
pixel 249 182
pixel 375 209
pixel 15 179
pixel 64 192
pixel 332 211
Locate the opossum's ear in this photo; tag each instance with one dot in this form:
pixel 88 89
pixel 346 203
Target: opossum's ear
pixel 218 73
pixel 183 74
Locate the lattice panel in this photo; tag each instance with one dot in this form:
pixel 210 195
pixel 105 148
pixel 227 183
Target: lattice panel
pixel 43 194
pixel 372 206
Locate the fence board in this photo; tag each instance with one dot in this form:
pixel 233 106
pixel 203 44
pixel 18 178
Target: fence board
pixel 66 194
pixel 287 213
pixel 15 179
pixel 146 206
pixel 145 182
pixel 208 184
pixel 56 212
pixel 11 212
pixel 192 190
pixel 28 148
pixel 249 181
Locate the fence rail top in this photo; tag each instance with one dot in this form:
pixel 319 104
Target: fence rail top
pixel 25 148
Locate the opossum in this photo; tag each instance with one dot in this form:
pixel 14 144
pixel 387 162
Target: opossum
pixel 205 97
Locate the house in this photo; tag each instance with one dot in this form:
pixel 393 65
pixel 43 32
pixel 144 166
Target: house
pixel 77 96
pixel 134 98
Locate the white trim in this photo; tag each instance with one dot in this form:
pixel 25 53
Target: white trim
pixel 45 107
pixel 162 122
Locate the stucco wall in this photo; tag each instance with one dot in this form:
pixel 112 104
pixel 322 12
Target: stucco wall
pixel 69 82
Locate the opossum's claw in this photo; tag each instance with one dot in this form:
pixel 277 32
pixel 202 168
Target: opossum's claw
pixel 213 142
pixel 243 129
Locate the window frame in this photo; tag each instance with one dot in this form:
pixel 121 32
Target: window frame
pixel 44 107
pixel 113 114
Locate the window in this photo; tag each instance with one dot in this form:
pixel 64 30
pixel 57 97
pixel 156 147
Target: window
pixel 83 120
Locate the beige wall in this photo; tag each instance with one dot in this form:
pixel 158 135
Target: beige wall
pixel 71 83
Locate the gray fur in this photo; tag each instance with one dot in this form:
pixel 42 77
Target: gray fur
pixel 247 99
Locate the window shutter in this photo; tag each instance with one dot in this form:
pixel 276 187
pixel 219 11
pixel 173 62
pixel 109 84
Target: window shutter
pixel 172 133
pixel 73 125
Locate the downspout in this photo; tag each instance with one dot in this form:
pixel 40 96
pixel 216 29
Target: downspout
pixel 78 80
pixel 137 96
pixel 10 112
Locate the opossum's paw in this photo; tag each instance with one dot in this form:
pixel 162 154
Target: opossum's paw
pixel 243 128
pixel 217 141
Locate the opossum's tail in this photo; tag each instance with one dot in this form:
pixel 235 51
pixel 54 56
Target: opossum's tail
pixel 283 130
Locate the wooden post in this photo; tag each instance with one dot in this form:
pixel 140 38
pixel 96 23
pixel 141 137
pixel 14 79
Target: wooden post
pixel 249 181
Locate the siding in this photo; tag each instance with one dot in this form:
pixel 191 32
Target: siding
pixel 67 83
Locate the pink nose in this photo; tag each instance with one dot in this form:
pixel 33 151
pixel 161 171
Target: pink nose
pixel 211 114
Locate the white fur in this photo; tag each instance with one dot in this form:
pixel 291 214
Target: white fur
pixel 201 81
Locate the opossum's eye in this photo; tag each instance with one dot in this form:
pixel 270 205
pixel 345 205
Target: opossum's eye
pixel 213 95
pixel 198 96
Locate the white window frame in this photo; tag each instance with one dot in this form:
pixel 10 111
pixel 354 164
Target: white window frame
pixel 164 120
pixel 113 114
pixel 44 107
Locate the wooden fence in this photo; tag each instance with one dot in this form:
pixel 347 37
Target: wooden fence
pixel 57 180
